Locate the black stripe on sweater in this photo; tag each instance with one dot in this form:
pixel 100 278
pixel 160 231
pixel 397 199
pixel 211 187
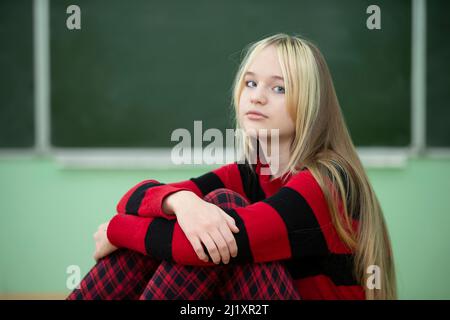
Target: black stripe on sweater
pixel 158 239
pixel 250 182
pixel 134 202
pixel 208 182
pixel 244 251
pixel 338 267
pixel 304 232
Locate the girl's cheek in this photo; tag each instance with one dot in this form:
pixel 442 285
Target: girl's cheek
pixel 244 98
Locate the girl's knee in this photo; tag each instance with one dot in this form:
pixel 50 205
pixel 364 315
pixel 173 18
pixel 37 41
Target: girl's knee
pixel 226 198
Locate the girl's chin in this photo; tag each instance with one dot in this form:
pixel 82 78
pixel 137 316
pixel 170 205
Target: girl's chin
pixel 256 132
pixel 250 128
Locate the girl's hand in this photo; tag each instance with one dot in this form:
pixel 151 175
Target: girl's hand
pixel 102 245
pixel 204 222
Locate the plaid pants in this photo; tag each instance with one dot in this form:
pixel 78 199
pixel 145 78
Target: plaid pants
pixel 126 274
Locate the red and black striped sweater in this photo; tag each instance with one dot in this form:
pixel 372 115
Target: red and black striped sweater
pixel 286 221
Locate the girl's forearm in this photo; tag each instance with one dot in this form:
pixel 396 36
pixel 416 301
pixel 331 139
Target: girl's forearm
pixel 174 201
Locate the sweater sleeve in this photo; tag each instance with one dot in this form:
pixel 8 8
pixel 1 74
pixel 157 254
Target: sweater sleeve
pixel 289 224
pixel 146 198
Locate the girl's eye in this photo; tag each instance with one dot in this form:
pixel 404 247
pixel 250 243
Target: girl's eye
pixel 250 84
pixel 280 89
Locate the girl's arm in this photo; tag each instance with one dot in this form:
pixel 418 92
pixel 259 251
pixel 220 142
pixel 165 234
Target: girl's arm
pixel 146 198
pixel 293 223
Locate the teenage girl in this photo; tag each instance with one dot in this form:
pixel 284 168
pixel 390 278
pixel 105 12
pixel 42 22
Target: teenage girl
pixel 309 229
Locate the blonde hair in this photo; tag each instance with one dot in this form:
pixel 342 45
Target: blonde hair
pixel 323 145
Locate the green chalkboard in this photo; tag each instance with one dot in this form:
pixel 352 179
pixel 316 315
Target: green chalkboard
pixel 139 69
pixel 438 75
pixel 16 74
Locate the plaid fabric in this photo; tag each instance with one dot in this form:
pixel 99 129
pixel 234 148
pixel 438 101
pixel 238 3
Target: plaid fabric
pixel 258 281
pixel 122 275
pixel 262 281
pixel 226 199
pixel 129 275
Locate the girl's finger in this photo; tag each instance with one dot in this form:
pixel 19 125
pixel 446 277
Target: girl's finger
pixel 221 244
pixel 211 247
pixel 229 239
pixel 197 245
pixel 230 222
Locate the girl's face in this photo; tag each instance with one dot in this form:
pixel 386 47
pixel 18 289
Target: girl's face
pixel 262 103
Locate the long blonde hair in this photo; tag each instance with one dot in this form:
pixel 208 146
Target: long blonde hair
pixel 323 144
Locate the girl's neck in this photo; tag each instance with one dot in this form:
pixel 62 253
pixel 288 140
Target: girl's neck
pixel 280 159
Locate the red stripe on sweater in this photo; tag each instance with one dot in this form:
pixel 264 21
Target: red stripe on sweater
pixel 188 184
pixel 128 231
pixel 265 246
pixel 308 187
pixel 231 178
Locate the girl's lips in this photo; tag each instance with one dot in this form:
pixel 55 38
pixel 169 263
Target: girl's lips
pixel 255 115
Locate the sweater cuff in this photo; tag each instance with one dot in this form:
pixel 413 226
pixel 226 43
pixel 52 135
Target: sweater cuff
pixel 128 231
pixel 152 204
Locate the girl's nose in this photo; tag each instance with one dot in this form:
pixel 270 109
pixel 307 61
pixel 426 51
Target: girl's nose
pixel 258 97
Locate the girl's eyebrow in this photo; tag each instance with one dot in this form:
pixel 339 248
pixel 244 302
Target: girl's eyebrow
pixel 272 77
